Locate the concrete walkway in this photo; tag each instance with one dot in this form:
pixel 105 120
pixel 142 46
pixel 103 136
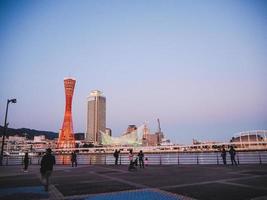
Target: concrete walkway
pixel 103 182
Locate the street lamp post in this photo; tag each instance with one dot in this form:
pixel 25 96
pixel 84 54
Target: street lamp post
pixel 5 127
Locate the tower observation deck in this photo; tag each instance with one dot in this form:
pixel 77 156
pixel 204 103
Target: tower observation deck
pixel 66 136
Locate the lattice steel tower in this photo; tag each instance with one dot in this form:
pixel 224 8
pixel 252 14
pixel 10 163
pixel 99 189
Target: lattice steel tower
pixel 66 136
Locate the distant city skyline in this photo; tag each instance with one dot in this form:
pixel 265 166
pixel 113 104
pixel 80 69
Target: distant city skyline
pixel 198 66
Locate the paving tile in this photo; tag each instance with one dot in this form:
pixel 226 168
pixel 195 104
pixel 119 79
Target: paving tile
pixel 255 182
pixel 92 187
pixel 23 193
pixel 134 195
pixel 218 191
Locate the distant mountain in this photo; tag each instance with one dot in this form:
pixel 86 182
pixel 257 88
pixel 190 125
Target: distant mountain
pixel 29 133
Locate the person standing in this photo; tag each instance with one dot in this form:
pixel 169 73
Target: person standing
pixel 146 162
pixel 47 163
pixel 141 159
pixel 116 156
pixel 223 154
pixel 232 153
pixel 73 159
pixel 131 164
pixel 26 162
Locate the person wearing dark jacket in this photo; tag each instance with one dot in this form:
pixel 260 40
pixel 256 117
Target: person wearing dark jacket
pixel 47 163
pixel 141 159
pixel 73 159
pixel 26 162
pixel 116 156
pixel 232 153
pixel 223 154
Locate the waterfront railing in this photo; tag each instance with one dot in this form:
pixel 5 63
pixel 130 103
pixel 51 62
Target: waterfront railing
pixel 171 158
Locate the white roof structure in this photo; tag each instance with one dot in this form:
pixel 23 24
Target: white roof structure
pixel 72 78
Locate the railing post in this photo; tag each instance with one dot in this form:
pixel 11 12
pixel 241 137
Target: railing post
pixel 160 158
pixel 90 162
pixel 63 160
pixel 197 159
pixel 237 158
pixel 105 159
pixel 260 157
pixel 120 159
pixel 178 158
pixel 217 158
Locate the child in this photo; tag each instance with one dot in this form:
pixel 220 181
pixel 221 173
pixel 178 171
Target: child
pixel 146 161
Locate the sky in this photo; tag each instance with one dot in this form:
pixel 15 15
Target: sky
pixel 198 66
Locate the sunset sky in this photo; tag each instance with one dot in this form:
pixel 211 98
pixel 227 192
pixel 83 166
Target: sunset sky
pixel 199 66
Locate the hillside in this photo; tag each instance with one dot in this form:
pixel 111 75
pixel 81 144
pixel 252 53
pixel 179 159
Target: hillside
pixel 29 133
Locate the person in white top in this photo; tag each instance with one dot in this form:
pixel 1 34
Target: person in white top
pixel 131 156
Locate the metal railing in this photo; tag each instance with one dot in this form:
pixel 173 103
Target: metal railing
pixel 171 158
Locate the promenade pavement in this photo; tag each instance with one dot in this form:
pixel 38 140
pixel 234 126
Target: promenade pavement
pixel 109 182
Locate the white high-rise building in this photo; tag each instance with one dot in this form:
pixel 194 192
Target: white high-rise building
pixel 96 117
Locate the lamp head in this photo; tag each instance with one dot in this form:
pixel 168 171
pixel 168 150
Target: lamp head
pixel 13 100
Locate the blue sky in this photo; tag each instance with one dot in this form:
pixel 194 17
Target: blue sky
pixel 199 66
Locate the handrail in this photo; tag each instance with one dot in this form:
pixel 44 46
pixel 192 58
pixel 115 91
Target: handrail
pixel 170 158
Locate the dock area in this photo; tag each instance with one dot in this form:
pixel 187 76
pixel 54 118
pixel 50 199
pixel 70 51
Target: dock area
pixel 103 182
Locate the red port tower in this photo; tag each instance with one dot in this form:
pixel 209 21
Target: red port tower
pixel 66 136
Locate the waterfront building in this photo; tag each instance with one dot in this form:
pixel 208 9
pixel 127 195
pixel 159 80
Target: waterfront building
pixel 134 136
pixel 39 138
pixel 250 139
pixel 131 139
pixel 96 117
pixel 109 131
pixel 250 136
pixel 130 129
pixel 16 139
pixel 66 136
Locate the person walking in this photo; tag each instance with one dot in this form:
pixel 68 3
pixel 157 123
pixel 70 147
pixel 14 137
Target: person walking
pixel 232 153
pixel 73 159
pixel 141 159
pixel 116 156
pixel 223 154
pixel 26 162
pixel 47 163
